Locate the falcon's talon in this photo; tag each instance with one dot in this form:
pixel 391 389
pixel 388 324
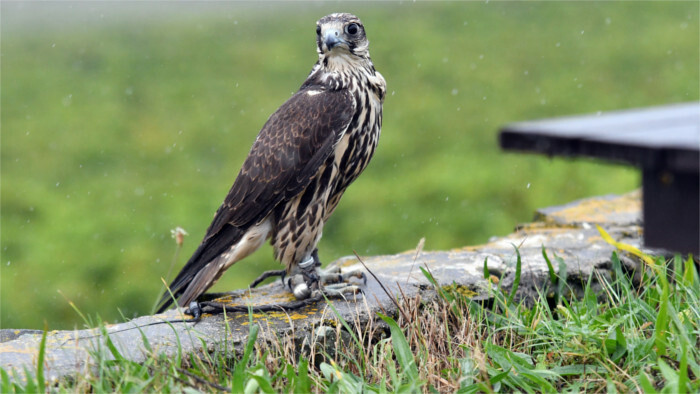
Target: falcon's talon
pixel 268 274
pixel 337 276
pixel 194 310
pixel 340 290
pixel 311 278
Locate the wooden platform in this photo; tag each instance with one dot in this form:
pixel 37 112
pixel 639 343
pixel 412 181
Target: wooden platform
pixel 663 141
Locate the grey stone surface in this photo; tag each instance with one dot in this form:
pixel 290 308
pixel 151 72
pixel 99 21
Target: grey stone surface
pixel 568 231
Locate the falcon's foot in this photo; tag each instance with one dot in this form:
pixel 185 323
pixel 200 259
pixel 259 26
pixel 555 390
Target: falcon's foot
pixel 331 282
pixel 304 282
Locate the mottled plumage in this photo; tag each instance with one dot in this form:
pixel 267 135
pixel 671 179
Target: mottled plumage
pixel 304 158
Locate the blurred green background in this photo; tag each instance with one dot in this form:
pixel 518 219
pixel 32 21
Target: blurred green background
pixel 121 121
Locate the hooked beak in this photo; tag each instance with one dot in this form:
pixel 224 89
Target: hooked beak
pixel 333 38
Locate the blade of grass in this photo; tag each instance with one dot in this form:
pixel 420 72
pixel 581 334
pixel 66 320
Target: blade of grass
pixel 110 345
pixel 683 381
pixel 562 277
pixel 351 332
pixel 627 248
pixel 31 386
pixel 40 360
pixel 391 297
pixel 303 383
pixel 690 274
pixel 239 371
pixel 550 268
pixel 487 274
pixel 662 321
pixel 6 386
pixel 485 386
pixel 516 281
pixel 401 349
pixel 264 384
pixel 670 375
pixel 445 295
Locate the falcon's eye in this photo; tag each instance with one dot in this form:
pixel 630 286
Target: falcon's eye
pixel 352 29
pixel 318 30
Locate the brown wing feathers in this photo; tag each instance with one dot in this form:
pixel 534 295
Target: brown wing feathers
pixel 291 147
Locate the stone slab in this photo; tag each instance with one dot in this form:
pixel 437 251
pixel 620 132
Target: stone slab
pixel 567 231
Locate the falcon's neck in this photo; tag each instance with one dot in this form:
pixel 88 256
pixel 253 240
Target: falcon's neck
pixel 345 71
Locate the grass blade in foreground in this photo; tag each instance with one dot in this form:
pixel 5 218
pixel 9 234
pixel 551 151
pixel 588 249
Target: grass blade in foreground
pixel 516 281
pixel 402 350
pixel 239 371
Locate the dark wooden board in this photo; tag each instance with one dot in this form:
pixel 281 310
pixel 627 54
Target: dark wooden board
pixel 664 142
pixel 661 137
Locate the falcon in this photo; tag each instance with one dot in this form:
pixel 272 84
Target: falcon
pixel 307 153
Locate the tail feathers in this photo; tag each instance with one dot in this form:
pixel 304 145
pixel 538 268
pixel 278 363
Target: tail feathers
pixel 210 249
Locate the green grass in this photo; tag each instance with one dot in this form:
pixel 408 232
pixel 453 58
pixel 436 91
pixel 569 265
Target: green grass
pixel 643 337
pixel 118 127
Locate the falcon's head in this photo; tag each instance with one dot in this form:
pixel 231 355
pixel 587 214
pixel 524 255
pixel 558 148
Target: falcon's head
pixel 341 35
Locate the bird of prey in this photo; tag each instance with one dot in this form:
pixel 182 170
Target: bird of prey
pixel 306 155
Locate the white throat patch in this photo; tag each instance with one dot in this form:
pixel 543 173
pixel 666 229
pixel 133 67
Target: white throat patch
pixel 343 62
